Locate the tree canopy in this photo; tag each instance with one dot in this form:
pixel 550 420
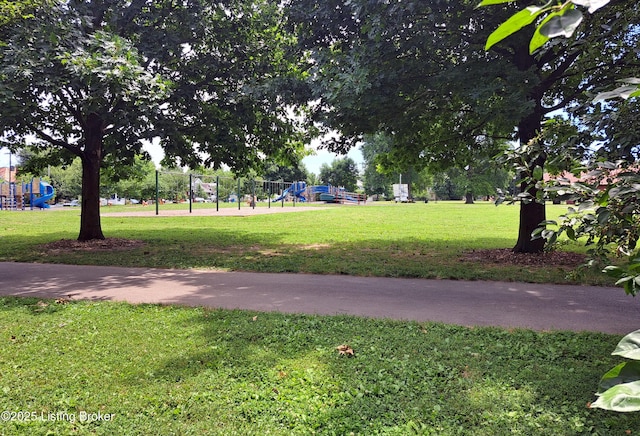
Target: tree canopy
pixel 94 80
pixel 419 72
pixel 342 172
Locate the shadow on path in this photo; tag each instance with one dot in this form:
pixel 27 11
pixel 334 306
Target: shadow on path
pixel 505 304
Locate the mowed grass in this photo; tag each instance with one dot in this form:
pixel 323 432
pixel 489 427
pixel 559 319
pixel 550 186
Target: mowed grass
pixel 103 368
pixel 380 239
pixel 166 370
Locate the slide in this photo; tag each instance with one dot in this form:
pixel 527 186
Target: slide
pixel 297 189
pixel 46 193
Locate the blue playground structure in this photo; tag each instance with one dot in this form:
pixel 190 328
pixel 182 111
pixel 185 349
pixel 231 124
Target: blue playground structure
pixel 38 193
pixel 333 194
pixel 296 189
pixel 46 193
pixel 327 193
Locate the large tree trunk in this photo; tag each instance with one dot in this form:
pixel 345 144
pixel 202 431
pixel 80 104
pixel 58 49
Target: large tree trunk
pixel 90 227
pixel 468 198
pixel 532 213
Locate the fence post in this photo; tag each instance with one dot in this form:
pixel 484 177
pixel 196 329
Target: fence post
pixel 190 192
pixel 294 187
pixel 157 192
pixel 253 194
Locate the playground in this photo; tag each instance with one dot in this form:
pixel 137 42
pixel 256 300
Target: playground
pixel 223 196
pixel 20 196
pixel 209 211
pixel 188 194
pixel 324 193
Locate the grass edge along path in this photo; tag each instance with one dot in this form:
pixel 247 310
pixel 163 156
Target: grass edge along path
pixel 391 240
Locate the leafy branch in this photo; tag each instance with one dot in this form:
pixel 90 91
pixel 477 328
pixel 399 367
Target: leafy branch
pixel 553 20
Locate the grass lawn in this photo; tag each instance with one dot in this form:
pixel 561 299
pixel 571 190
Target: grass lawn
pixel 117 369
pixel 163 370
pixel 383 239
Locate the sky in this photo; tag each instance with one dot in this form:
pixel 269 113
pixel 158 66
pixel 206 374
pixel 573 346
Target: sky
pixel 4 157
pixel 313 163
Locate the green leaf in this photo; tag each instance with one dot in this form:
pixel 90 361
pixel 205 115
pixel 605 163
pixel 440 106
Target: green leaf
pixel 550 235
pixel 516 22
pixel 626 372
pixel 629 346
pixel 620 398
pixel 538 172
pixel 548 223
pixel 624 280
pixel 613 271
pixel 538 39
pixel 603 216
pixel 493 2
pixel 562 25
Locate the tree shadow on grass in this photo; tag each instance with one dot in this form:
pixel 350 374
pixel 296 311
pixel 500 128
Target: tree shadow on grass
pixel 284 373
pixel 501 303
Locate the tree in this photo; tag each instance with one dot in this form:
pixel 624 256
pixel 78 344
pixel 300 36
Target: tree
pixel 12 11
pixel 419 71
pixel 138 183
pixel 94 79
pixel 67 180
pixel 566 74
pixel 376 181
pixel 608 194
pixel 287 173
pixel 342 172
pixel 482 178
pixel 381 172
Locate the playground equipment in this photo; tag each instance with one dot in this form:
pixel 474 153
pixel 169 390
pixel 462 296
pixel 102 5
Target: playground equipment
pixel 334 194
pixel 327 193
pixel 297 189
pixel 198 188
pixel 14 195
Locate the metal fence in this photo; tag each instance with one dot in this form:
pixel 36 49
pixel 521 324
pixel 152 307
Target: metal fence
pixel 190 189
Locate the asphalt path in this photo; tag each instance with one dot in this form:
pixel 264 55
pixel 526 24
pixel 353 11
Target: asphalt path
pixel 469 303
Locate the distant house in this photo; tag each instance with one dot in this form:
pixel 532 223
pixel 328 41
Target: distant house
pixel 568 178
pixel 208 189
pixel 7 175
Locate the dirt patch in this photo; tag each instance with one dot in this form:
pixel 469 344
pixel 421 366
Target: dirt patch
pixel 505 256
pixel 225 211
pixel 108 244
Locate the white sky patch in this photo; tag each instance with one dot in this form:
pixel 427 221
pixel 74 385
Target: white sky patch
pixel 313 162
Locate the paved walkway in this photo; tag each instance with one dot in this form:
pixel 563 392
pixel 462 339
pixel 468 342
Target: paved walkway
pixel 534 306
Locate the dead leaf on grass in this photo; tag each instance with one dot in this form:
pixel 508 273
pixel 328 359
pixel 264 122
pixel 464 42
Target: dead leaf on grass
pixel 345 350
